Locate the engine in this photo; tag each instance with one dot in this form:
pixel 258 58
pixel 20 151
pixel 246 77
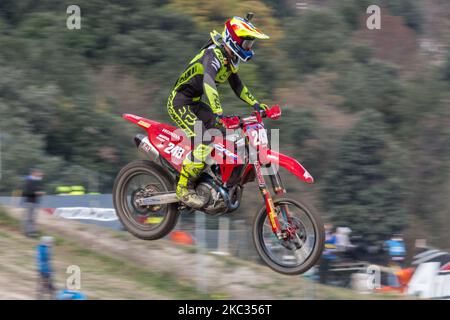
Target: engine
pixel 215 203
pixel 219 201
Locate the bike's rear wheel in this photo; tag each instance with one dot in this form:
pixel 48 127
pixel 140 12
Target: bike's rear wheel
pixel 140 179
pixel 300 252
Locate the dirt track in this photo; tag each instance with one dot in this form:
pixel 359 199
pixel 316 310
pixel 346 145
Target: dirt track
pixel 115 265
pixel 18 278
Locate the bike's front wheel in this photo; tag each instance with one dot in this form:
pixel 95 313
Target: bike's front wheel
pixel 299 251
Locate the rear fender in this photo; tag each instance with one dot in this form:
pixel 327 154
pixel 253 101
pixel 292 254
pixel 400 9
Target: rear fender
pixel 140 121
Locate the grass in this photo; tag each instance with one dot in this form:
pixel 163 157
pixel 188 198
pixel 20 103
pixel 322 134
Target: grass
pixel 120 236
pixel 163 283
pixel 188 249
pixel 263 286
pixel 8 221
pixel 228 262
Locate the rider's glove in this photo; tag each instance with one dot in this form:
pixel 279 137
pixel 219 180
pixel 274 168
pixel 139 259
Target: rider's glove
pixel 274 112
pixel 232 122
pixel 260 107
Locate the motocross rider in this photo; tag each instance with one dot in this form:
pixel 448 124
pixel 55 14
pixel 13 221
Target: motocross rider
pixel 217 62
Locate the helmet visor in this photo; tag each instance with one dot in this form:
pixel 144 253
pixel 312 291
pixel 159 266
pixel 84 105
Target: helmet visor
pixel 247 44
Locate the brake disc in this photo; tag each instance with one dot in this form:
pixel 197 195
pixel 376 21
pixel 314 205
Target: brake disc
pixel 296 235
pixel 144 193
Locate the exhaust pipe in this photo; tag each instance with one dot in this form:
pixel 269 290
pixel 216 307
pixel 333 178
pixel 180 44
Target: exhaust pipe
pixel 144 145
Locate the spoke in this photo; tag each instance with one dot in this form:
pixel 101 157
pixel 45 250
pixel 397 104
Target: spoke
pixel 268 226
pixel 138 182
pixel 300 255
pixel 277 249
pixel 303 252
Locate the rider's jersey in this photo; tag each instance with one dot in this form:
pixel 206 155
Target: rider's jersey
pixel 202 76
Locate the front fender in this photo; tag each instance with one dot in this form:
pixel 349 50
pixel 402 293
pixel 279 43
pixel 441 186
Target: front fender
pixel 290 164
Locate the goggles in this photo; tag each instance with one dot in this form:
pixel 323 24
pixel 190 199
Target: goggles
pixel 247 44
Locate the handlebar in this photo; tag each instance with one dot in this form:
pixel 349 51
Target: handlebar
pixel 273 113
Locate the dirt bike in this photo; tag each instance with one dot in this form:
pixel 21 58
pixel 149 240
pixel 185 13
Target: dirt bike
pixel 288 236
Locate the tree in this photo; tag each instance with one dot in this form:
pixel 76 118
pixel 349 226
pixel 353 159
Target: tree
pixel 364 188
pixel 410 10
pixel 21 150
pixel 311 39
pixel 430 174
pixel 212 14
pixel 352 10
pixel 446 68
pixel 372 86
pixel 13 11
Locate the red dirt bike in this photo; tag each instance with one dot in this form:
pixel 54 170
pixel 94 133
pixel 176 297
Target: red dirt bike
pixel 288 235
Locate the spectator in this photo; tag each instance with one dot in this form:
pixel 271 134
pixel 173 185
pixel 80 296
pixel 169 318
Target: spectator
pixel 343 243
pixel 44 257
pixel 328 254
pixel 32 192
pixel 396 249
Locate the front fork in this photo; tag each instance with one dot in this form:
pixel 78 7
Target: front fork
pixel 270 208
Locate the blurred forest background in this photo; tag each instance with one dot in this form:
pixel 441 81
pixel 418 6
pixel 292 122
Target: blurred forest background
pixel 366 111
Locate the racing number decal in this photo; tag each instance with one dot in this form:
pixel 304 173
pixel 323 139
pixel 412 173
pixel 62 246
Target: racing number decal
pixel 259 137
pixel 175 151
pixel 255 138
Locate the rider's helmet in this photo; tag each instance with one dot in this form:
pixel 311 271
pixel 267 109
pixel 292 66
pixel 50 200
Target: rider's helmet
pixel 239 35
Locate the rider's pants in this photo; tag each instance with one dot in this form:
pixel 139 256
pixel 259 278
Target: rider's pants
pixel 186 117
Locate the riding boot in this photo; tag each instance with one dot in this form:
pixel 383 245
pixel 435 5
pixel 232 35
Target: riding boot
pixel 185 191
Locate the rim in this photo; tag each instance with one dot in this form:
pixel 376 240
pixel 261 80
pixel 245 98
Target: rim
pixel 141 184
pixel 302 239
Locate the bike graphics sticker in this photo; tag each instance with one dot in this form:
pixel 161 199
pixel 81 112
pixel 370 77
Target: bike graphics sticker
pixel 174 150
